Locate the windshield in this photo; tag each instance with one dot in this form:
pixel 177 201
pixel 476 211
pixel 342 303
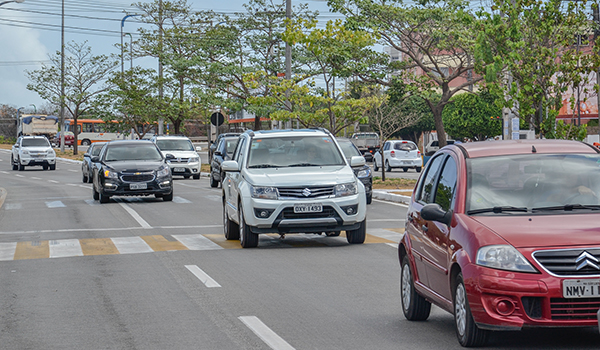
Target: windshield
pixel 349 149
pixel 37 142
pixel 130 152
pixel 175 145
pixel 97 147
pixel 294 151
pixel 533 182
pixel 229 145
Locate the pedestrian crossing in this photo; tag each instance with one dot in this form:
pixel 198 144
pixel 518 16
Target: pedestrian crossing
pixel 53 204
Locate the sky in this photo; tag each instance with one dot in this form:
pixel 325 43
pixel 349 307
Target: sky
pixel 31 31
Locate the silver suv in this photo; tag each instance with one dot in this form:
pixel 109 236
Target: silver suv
pixel 31 151
pixel 185 161
pixel 292 181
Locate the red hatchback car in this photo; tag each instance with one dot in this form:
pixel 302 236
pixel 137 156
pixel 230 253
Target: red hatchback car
pixel 505 235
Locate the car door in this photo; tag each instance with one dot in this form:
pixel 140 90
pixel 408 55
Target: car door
pixel 416 226
pixel 232 180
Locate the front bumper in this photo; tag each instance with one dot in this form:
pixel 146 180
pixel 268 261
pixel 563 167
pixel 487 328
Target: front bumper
pixel 37 161
pixel 185 169
pixel 118 188
pixel 405 163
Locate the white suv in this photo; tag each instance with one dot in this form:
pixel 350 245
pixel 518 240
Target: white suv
pixel 292 181
pixel 32 150
pixel 184 159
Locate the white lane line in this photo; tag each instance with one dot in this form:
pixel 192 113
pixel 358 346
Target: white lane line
pixel 265 333
pixel 7 251
pixel 202 276
pixel 180 200
pixel 392 245
pixel 131 245
pixel 197 242
pixel 13 206
pixel 55 204
pixel 35 178
pixel 91 202
pixel 19 175
pixel 106 229
pixel 76 185
pixel 74 170
pixel 4 172
pixel 65 248
pixel 135 215
pixel 53 181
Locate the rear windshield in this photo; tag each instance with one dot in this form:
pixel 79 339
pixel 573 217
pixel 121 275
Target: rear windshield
pixel 405 146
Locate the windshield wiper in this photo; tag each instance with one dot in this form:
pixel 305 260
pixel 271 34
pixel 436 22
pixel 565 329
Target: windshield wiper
pixel 302 164
pixel 497 210
pixel 263 166
pixel 568 207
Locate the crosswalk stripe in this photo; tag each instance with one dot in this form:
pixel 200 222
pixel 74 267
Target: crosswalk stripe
pixel 7 251
pixel 98 246
pixel 55 204
pixel 131 245
pixel 197 242
pixel 159 243
pixel 32 250
pixel 65 248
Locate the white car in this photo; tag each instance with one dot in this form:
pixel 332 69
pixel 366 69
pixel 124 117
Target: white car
pixel 402 154
pixel 434 145
pixel 185 161
pixel 32 151
pixel 292 181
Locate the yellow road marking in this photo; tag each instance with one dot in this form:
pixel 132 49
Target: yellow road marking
pixel 32 250
pixel 397 229
pixel 98 246
pixel 159 243
pixel 220 240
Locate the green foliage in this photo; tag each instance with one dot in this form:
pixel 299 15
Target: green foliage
pixel 473 116
pixel 570 131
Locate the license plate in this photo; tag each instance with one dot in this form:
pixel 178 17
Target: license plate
pixel 406 162
pixel 179 170
pixel 308 208
pixel 140 186
pixel 581 288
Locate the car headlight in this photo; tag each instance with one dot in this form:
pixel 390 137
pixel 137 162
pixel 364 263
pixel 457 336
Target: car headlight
pixel 347 189
pixel 194 159
pixel 264 192
pixel 503 257
pixel 163 171
pixel 366 172
pixel 25 151
pixel 51 153
pixel 109 174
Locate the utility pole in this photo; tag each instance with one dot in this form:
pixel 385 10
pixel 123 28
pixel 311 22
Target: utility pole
pixel 62 83
pixel 288 58
pixel 160 65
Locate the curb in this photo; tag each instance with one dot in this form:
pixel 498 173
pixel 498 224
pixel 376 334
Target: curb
pixel 390 196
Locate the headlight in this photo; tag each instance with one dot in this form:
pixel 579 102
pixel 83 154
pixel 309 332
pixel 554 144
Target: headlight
pixel 264 192
pixel 194 159
pixel 25 151
pixel 343 190
pixel 503 257
pixel 162 172
pixel 51 153
pixel 364 172
pixel 108 174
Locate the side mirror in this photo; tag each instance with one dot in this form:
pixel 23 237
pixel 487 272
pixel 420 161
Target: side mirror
pixel 230 165
pixel 357 161
pixel 213 147
pixel 169 156
pixel 434 212
pixel 95 159
pixel 217 153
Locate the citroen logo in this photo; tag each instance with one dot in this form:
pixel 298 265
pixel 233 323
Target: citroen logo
pixel 586 259
pixel 306 192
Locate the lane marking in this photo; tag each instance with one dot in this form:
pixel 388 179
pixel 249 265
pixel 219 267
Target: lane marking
pixel 65 248
pixel 98 246
pixel 19 175
pixel 202 276
pixel 32 250
pixel 7 251
pixel 35 178
pixel 197 242
pixel 134 214
pixel 392 245
pixel 131 245
pixel 55 204
pixel 13 206
pixel 271 338
pixel 159 243
pixel 53 181
pixel 109 229
pixel 180 200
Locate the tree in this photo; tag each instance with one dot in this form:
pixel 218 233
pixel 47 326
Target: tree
pixel 474 117
pixel 85 79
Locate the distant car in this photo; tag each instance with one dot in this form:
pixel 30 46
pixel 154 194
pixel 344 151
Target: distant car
pixel 131 168
pixel 363 173
pixel 223 152
pixel 504 235
pixel 213 145
pixel 32 151
pixel 185 161
pixel 87 166
pixel 434 145
pixel 402 154
pixel 69 139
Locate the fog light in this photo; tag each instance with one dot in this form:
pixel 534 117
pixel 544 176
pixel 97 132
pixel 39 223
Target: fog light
pixel 351 209
pixel 165 184
pixel 263 213
pixel 505 307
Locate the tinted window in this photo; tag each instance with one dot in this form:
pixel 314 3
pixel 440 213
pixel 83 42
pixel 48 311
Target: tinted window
pixel 405 146
pixel 175 145
pixel 37 142
pixel 293 151
pixel 96 149
pixel 131 152
pixel 446 185
pixel 349 149
pixel 428 182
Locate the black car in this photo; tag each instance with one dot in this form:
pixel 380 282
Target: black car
pixel 131 168
pixel 213 145
pixel 363 173
pixel 87 168
pixel 223 152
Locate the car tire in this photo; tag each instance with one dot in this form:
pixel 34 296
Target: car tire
pixel 45 167
pixel 375 167
pixel 414 306
pixel 85 179
pixel 370 198
pixel 168 197
pixel 186 176
pixel 104 198
pixel 248 239
pixel 357 236
pixel 418 169
pixel 21 166
pixel 52 166
pixel 213 182
pixel 405 169
pixel 14 165
pixel 230 228
pixel 95 193
pixel 388 168
pixel 197 177
pixel 469 335
pixel 86 142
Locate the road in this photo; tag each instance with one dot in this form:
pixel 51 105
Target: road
pixel 140 273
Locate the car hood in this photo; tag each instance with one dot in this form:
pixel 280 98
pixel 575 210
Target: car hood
pixel 544 230
pixel 180 154
pixel 37 148
pixel 134 165
pixel 304 176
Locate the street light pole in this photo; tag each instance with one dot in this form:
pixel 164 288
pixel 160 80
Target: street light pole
pixel 123 24
pixel 34 109
pixel 18 115
pixel 62 82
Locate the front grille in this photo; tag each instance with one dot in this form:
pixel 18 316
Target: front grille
pixel 142 177
pixel 179 161
pixel 305 192
pixel 532 306
pixel 288 213
pixel 574 309
pixel 570 262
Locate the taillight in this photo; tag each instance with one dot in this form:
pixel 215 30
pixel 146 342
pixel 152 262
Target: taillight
pixel 393 154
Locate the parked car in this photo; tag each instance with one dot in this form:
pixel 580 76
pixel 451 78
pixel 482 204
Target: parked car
pixel 213 145
pixel 87 166
pixel 131 168
pixel 223 152
pixel 504 235
pixel 367 143
pixel 32 151
pixel 185 160
pixel 434 145
pixel 402 154
pixel 291 181
pixel 69 139
pixel 363 173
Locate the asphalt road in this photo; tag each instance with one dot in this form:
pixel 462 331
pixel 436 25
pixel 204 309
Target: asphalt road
pixel 140 273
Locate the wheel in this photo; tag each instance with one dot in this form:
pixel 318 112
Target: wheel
pixel 375 167
pixel 369 198
pixel 21 167
pixel 45 167
pixel 168 197
pixel 388 168
pixel 186 176
pixel 52 166
pixel 248 239
pixel 104 198
pixel 469 335
pixel 86 142
pixel 85 179
pixel 357 236
pixel 95 193
pixel 418 169
pixel 14 165
pixel 231 230
pixel 196 177
pixel 414 306
pixel 405 169
pixel 213 182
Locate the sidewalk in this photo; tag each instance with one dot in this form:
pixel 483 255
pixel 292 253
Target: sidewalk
pixel 398 196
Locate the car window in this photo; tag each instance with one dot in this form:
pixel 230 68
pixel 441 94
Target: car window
pixel 444 194
pixel 175 145
pixel 386 146
pixel 426 187
pixel 35 142
pixel 96 149
pixel 405 146
pixel 294 151
pixel 349 149
pixel 238 150
pixel 230 146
